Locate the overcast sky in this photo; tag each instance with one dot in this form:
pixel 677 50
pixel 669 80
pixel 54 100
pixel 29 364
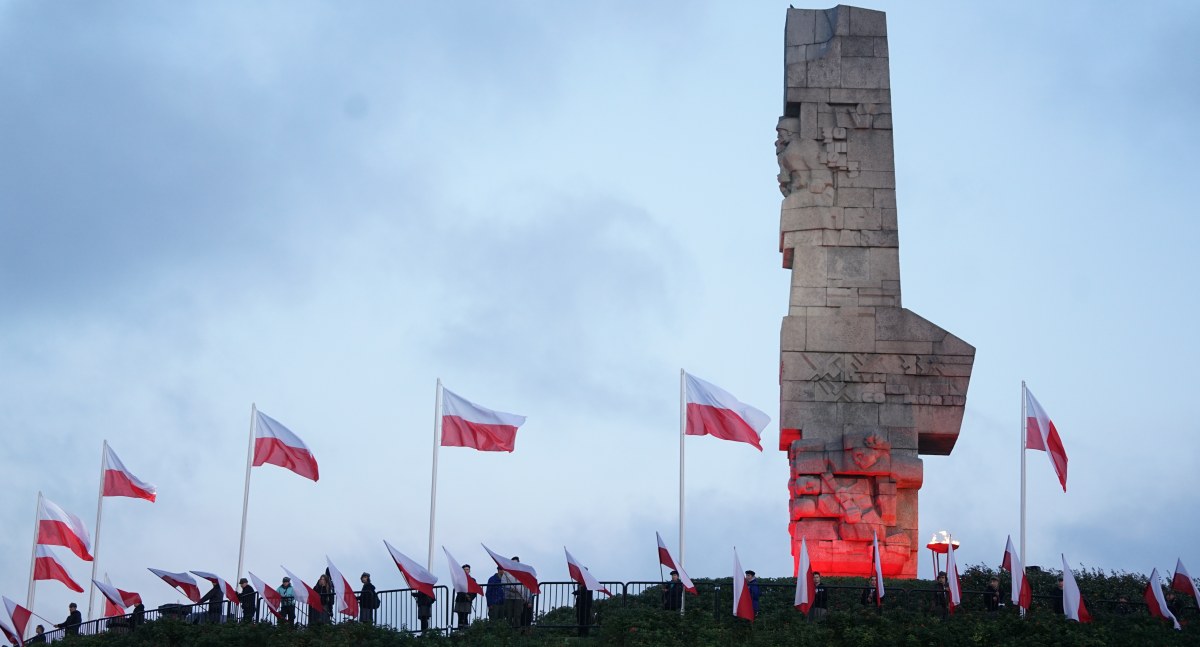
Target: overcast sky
pixel 321 208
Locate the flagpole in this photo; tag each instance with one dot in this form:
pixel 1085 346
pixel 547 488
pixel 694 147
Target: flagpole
pixel 682 433
pixel 437 440
pixel 1024 439
pixel 33 553
pixel 246 492
pixel 96 538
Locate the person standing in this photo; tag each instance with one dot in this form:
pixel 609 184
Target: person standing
pixel 752 586
pixel 70 626
pixel 820 603
pixel 368 600
pixel 991 596
pixel 940 596
pixel 495 595
pixel 870 595
pixel 424 608
pixel 248 598
pixel 214 598
pixel 325 592
pixel 463 601
pixel 1057 601
pixel 673 593
pixel 287 602
pixel 39 636
pixel 583 608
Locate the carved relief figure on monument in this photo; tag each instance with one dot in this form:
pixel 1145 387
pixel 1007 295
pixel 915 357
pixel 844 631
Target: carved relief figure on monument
pixel 800 167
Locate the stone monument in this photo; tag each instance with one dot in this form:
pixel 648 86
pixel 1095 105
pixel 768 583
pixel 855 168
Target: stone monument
pixel 865 384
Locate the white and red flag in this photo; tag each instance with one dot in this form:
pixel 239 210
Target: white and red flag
pixel 1040 434
pixel 466 424
pixel 953 586
pixel 1156 603
pixel 216 580
pixel 269 595
pixel 417 577
pixel 712 411
pixel 1184 583
pixel 20 618
pixel 47 567
pixel 665 558
pixel 582 576
pixel 10 633
pixel 1022 594
pixel 523 573
pixel 1073 606
pixel 57 527
pixel 343 593
pixel 311 597
pixel 743 605
pixel 181 581
pixel 277 445
pixel 461 581
pixel 127 599
pixel 879 592
pixel 114 602
pixel 119 481
pixel 806 588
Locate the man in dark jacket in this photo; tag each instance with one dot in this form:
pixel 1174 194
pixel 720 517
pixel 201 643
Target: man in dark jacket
pixel 673 593
pixel 70 626
pixel 820 603
pixel 249 599
pixel 368 600
pixel 495 595
pixel 214 598
pixel 424 608
pixel 583 608
pixel 752 586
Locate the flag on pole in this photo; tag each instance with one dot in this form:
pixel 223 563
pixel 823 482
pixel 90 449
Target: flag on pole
pixel 665 558
pixel 128 599
pixel 114 602
pixel 20 617
pixel 311 597
pixel 119 481
pixel 1073 606
pixel 879 592
pixel 47 567
pixel 523 573
pixel 806 588
pixel 417 577
pixel 1156 603
pixel 712 411
pixel 954 597
pixel 582 576
pixel 1184 583
pixel 57 527
pixel 1041 435
pixel 227 589
pixel 343 593
pixel 268 594
pixel 466 424
pixel 743 605
pixel 181 581
pixel 277 445
pixel 462 582
pixel 10 633
pixel 1022 594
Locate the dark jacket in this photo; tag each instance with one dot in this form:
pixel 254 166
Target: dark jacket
pixel 820 597
pixel 463 601
pixel 495 591
pixel 367 598
pixel 754 593
pixel 424 604
pixel 870 597
pixel 673 595
pixel 991 599
pixel 71 624
pixel 249 599
pixel 214 598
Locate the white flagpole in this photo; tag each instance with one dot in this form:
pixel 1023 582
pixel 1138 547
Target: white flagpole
pixel 96 537
pixel 33 553
pixel 437 440
pixel 682 433
pixel 1024 433
pixel 246 492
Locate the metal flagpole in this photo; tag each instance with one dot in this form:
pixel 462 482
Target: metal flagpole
pixel 96 537
pixel 246 493
pixel 682 433
pixel 437 440
pixel 1024 434
pixel 33 552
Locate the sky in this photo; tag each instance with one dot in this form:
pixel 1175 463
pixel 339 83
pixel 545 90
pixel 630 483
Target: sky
pixel 321 208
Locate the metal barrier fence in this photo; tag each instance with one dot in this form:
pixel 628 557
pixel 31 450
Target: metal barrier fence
pixel 555 606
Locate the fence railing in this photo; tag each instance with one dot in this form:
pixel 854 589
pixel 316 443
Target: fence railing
pixel 556 607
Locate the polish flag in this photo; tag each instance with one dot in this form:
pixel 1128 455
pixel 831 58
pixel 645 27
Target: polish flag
pixel 57 527
pixel 743 606
pixel 1040 434
pixel 47 567
pixel 1156 603
pixel 343 593
pixel 1184 583
pixel 311 597
pixel 10 633
pixel 466 424
pixel 806 589
pixel 417 577
pixel 128 599
pixel 119 481
pixel 277 445
pixel 879 592
pixel 462 582
pixel 181 581
pixel 665 558
pixel 216 580
pixel 711 410
pixel 524 573
pixel 582 576
pixel 1022 595
pixel 114 603
pixel 954 597
pixel 20 618
pixel 268 594
pixel 1073 606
